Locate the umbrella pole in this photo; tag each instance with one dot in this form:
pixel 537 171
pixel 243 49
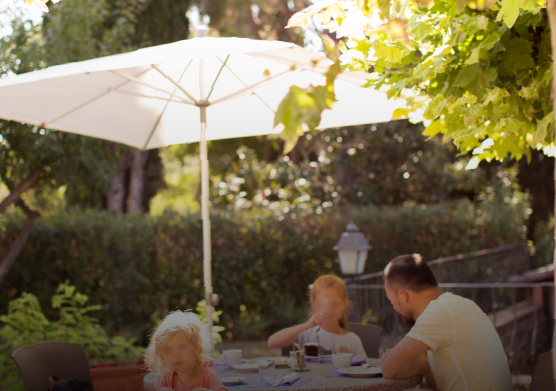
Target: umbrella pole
pixel 206 217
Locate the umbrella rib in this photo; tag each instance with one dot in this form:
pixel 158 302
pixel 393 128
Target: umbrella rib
pixel 163 111
pixel 177 83
pixel 262 82
pixel 146 96
pixel 217 76
pixel 45 123
pixel 135 80
pixel 280 60
pixel 245 84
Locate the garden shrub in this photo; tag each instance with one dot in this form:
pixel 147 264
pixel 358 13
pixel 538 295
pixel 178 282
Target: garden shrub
pixel 25 324
pixel 141 267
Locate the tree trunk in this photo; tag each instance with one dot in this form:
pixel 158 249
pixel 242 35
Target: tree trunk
pixel 115 200
pixel 551 11
pixel 137 181
pixel 19 190
pixel 270 154
pixel 20 241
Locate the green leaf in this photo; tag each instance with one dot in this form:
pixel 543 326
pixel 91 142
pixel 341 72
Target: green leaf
pixel 390 53
pixel 532 6
pixel 434 128
pixel 474 57
pixel 470 99
pixel 399 113
pixel 363 46
pixel 304 106
pixel 481 22
pixel 509 11
pixel 467 76
pixel 495 95
pixel 542 127
pixel 491 40
pixel 518 55
pixel 421 30
pixel 547 77
pixel 384 7
pixel 528 93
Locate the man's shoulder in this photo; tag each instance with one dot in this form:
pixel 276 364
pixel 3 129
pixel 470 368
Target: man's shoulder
pixel 450 300
pixel 450 304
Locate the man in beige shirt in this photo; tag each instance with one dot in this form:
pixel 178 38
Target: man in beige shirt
pixel 452 343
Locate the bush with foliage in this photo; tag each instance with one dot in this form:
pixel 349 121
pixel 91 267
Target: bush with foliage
pixel 141 267
pixel 26 324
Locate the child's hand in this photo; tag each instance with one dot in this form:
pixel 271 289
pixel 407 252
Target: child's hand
pixel 315 320
pixel 344 349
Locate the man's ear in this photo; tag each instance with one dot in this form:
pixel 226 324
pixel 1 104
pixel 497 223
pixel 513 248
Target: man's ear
pixel 404 296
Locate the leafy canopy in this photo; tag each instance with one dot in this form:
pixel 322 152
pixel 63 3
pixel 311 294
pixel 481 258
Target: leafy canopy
pixel 478 73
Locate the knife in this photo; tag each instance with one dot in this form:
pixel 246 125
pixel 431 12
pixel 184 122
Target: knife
pixel 287 377
pixel 277 382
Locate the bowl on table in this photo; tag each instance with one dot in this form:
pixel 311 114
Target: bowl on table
pixel 341 360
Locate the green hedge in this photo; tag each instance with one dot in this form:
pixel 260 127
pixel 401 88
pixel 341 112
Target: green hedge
pixel 139 267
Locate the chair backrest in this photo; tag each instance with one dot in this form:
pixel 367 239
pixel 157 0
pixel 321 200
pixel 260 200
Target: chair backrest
pixel 38 361
pixel 542 379
pixel 369 335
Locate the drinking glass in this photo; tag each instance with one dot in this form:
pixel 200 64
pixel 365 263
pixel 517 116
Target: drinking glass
pixel 266 367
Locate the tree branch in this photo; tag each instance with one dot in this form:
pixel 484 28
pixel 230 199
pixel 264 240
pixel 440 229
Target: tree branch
pixel 19 242
pixel 15 193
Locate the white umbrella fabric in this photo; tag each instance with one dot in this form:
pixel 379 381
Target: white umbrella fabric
pixel 168 94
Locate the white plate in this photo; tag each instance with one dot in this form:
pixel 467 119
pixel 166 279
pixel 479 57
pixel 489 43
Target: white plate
pixel 282 362
pixel 246 368
pixel 312 358
pixel 361 372
pixel 232 380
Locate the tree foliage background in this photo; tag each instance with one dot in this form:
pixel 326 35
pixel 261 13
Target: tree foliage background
pixel 481 76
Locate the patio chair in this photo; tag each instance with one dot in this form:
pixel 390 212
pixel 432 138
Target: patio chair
pixel 542 379
pixel 369 335
pixel 38 361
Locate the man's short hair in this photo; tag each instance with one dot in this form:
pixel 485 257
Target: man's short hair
pixel 410 272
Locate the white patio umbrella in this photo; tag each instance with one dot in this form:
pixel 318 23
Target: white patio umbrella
pixel 193 90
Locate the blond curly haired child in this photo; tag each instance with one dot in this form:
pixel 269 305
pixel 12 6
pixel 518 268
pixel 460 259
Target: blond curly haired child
pixel 180 350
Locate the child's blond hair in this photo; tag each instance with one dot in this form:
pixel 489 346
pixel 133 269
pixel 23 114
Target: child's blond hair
pixel 197 333
pixel 330 281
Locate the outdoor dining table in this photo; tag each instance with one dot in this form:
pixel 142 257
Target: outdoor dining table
pixel 320 381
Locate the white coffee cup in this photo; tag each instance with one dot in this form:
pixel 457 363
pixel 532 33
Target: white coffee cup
pixel 231 356
pixel 341 360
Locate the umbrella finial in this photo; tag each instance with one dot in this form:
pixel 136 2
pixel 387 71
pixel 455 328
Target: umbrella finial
pixel 201 31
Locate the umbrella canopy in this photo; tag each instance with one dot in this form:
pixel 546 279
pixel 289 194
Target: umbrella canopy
pixel 194 90
pixel 152 97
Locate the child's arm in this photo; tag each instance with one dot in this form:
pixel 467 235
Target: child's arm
pixel 289 335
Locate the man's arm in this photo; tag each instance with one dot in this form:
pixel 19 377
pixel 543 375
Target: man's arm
pixel 405 360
